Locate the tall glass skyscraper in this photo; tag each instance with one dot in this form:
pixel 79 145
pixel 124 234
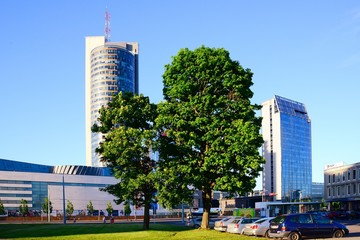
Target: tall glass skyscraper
pixel 110 67
pixel 286 129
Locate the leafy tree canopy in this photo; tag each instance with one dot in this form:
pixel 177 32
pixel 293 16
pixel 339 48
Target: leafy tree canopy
pixel 2 208
pixel 211 135
pixel 128 122
pixel 90 208
pixel 47 206
pixel 109 208
pixel 23 208
pixel 69 208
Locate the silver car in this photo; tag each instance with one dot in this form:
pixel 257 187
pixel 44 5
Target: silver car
pixel 222 224
pixel 238 225
pixel 258 228
pixel 196 222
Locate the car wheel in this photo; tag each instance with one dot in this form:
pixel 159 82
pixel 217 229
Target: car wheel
pixel 338 234
pixel 294 236
pixel 196 226
pixel 267 234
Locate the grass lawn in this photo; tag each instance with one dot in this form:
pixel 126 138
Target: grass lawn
pixel 110 231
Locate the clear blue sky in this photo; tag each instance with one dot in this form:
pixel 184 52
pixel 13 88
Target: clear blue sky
pixel 308 51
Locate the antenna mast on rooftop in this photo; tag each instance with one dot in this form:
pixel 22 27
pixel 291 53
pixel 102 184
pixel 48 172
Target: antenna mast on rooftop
pixel 107 25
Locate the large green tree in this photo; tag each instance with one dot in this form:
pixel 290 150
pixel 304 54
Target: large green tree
pixel 128 122
pixel 211 134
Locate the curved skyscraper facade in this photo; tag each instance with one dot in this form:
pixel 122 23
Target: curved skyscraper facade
pixel 111 67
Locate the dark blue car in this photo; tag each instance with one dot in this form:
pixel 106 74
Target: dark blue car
pixel 305 225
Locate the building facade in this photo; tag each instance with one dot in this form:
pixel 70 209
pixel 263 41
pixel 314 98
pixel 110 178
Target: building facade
pixel 286 129
pixel 34 183
pixel 317 191
pixel 342 184
pixel 110 67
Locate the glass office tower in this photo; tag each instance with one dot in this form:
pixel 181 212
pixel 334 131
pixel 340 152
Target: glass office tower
pixel 286 129
pixel 110 67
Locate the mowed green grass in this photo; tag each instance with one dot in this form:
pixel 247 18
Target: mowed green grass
pixel 110 231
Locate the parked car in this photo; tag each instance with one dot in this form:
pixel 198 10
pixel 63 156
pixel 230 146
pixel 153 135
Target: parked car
pixel 305 225
pixel 320 212
pixel 353 214
pixel 238 225
pixel 196 222
pixel 258 228
pixel 338 215
pixel 222 224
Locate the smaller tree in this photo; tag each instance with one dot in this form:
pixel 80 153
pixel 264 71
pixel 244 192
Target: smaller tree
pixel 2 208
pixel 335 206
pixel 23 208
pixel 69 208
pixel 127 209
pixel 109 208
pixel 47 206
pixel 90 208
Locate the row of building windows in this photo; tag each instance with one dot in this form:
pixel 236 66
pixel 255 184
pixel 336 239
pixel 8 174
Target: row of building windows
pixel 104 72
pixel 101 89
pixel 345 176
pixel 4 201
pixel 111 57
pixel 99 94
pixel 109 83
pixel 15 188
pixel 105 50
pixel 338 191
pixel 123 56
pixel 107 62
pixel 3 195
pixel 104 66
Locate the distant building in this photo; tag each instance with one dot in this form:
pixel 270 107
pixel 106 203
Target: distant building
pixel 317 192
pixel 110 67
pixel 286 129
pixel 35 182
pixel 342 184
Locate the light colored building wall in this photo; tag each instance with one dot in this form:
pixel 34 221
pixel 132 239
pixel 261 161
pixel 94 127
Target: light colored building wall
pixel 80 197
pixel 79 189
pixel 90 43
pixel 271 132
pixel 342 183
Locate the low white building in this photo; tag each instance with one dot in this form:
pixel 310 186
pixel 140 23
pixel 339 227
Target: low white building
pixel 342 184
pixel 34 183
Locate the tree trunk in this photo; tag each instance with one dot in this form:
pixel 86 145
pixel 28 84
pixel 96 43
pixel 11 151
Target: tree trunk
pixel 206 198
pixel 146 224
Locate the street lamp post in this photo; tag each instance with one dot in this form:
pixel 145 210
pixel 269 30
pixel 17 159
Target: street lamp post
pixel 64 210
pixel 48 205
